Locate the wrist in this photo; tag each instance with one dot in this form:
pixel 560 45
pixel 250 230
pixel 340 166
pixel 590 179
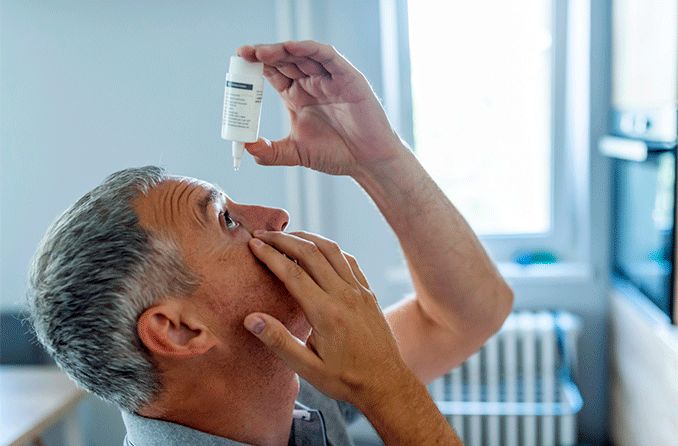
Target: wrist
pixel 384 176
pixel 392 415
pixel 395 185
pixel 390 393
pixel 400 157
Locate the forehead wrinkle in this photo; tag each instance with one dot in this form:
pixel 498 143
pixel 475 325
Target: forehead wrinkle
pixel 161 210
pixel 166 210
pixel 180 197
pixel 200 207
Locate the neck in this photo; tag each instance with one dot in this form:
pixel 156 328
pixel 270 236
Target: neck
pixel 249 400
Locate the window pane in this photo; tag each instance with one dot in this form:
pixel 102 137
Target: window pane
pixel 481 93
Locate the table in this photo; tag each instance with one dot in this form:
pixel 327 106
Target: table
pixel 33 398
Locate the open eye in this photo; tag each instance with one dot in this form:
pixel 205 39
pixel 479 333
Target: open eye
pixel 228 221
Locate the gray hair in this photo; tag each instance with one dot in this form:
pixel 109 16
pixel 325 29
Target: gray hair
pixel 95 271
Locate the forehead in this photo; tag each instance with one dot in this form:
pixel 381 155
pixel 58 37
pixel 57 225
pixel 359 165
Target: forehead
pixel 165 204
pixel 193 183
pixel 184 186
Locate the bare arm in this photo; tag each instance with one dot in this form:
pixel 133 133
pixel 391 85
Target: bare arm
pixel 460 297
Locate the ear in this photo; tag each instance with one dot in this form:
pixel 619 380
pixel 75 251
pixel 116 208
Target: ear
pixel 171 330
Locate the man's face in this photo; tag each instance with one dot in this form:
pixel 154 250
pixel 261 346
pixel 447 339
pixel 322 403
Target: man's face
pixel 212 232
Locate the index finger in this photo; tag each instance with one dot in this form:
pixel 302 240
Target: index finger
pixel 277 55
pixel 300 285
pixel 325 55
pixel 247 52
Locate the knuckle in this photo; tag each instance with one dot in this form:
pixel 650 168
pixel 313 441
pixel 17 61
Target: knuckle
pixel 370 296
pixel 294 271
pixel 333 246
pixel 351 378
pixel 277 340
pixel 349 295
pixel 310 249
pixel 331 319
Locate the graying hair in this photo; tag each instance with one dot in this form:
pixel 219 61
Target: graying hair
pixel 95 271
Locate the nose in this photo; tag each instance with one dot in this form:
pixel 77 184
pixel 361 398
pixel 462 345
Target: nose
pixel 259 217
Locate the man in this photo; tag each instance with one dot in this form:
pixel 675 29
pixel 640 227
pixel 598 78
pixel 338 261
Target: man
pixel 194 313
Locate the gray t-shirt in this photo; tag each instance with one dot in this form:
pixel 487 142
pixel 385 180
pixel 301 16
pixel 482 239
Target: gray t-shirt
pixel 317 420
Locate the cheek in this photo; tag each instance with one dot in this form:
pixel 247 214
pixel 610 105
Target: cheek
pixel 244 285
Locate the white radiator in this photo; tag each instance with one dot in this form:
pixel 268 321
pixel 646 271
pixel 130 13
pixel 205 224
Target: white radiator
pixel 518 389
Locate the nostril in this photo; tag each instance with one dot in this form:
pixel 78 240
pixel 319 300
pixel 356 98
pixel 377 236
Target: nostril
pixel 284 225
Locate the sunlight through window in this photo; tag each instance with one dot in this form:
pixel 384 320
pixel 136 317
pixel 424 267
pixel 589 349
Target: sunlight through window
pixel 482 107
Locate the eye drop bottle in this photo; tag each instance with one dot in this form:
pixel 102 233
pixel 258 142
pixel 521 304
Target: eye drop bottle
pixel 242 104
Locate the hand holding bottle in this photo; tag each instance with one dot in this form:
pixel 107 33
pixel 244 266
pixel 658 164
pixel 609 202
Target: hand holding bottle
pixel 337 123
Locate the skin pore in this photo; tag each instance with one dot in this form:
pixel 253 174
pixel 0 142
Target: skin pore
pixel 217 377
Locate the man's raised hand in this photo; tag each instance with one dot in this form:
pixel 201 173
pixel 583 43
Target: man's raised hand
pixel 337 123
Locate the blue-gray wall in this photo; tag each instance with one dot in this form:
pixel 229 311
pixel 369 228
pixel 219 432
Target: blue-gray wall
pixel 90 87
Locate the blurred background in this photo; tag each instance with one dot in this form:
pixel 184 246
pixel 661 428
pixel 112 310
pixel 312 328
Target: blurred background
pixel 550 124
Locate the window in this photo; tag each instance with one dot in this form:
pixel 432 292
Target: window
pixel 483 104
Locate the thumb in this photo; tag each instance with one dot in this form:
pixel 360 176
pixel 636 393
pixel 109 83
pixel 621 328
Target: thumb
pixel 274 153
pixel 289 348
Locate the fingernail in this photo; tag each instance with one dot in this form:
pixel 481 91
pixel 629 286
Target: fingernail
pixel 256 242
pixel 255 325
pixel 258 232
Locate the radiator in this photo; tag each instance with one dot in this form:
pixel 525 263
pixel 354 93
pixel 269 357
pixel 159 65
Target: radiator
pixel 518 389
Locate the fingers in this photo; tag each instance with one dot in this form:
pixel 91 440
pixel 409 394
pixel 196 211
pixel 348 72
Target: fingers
pixel 296 280
pixel 332 253
pixel 290 349
pixel 278 80
pixel 325 55
pixel 356 270
pixel 281 67
pixel 276 77
pixel 247 52
pixel 274 153
pixel 290 70
pixel 276 55
pixel 311 68
pixel 307 254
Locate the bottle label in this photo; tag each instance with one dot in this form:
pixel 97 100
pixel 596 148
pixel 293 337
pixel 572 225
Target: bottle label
pixel 241 105
pixel 239 85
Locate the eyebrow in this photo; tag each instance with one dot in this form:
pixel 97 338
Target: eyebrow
pixel 207 200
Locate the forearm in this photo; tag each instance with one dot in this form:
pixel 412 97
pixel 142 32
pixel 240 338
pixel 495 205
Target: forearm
pixel 408 415
pixel 455 281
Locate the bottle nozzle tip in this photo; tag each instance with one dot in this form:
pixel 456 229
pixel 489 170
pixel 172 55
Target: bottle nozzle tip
pixel 238 150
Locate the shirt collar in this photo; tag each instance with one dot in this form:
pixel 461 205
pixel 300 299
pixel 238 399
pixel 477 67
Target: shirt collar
pixel 142 431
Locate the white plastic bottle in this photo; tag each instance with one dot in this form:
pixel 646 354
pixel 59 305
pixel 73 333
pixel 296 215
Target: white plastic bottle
pixel 242 104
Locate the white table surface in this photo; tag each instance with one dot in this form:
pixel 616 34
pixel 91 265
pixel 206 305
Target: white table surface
pixel 32 398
